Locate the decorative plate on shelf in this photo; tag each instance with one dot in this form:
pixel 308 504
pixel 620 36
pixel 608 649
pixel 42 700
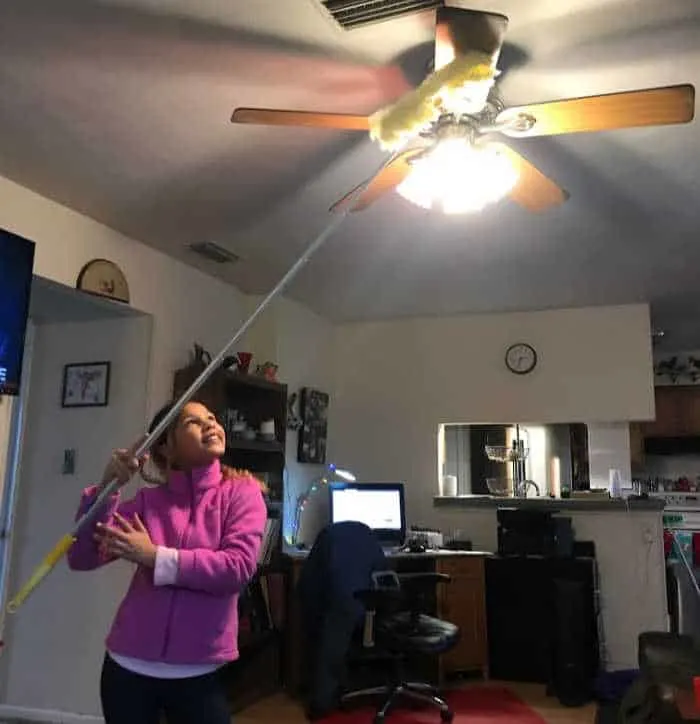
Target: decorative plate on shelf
pixel 105 279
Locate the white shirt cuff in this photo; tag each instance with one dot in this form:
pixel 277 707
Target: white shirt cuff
pixel 165 571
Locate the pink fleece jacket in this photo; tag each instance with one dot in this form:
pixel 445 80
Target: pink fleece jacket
pixel 216 526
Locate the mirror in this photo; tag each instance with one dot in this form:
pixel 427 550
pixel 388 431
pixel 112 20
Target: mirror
pixel 537 459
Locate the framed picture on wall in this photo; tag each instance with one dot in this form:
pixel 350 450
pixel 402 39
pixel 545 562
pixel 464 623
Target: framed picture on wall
pixel 313 433
pixel 86 385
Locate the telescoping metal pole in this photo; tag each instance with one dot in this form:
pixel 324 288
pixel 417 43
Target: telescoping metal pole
pixel 61 548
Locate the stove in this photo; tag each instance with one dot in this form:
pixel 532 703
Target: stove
pixel 679 501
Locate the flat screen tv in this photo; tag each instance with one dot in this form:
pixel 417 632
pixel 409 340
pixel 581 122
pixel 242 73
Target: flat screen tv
pixel 16 265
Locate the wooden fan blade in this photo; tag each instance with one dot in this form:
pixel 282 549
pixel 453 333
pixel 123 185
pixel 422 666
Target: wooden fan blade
pixel 386 180
pixel 309 119
pixel 533 190
pixel 459 31
pixel 652 107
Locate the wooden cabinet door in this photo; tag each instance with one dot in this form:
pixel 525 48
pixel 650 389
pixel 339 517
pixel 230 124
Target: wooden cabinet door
pixel 677 412
pixel 670 413
pixel 462 602
pixel 691 410
pixel 636 444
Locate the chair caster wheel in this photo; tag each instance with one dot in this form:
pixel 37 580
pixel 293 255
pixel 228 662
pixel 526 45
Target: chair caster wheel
pixel 447 716
pixel 378 719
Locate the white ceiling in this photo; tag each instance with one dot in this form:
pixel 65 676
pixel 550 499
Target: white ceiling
pixel 121 110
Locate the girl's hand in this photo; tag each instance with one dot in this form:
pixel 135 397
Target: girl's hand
pixel 127 540
pixel 123 465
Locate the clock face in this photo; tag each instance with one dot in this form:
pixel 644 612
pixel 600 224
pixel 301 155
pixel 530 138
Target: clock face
pixel 521 358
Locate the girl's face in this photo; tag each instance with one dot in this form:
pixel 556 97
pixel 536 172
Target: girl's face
pixel 197 439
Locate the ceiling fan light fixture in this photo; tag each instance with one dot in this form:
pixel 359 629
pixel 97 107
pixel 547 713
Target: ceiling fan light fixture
pixel 458 177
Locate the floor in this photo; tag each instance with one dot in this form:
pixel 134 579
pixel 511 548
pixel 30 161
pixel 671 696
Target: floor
pixel 281 710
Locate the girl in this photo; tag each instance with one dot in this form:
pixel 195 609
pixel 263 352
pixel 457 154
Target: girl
pixel 195 541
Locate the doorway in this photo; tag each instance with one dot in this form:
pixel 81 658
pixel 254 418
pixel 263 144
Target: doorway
pixel 52 644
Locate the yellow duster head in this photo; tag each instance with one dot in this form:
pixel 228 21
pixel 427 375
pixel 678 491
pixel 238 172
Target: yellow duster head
pixel 392 126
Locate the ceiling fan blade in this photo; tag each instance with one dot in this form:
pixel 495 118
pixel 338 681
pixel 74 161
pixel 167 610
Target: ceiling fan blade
pixel 309 119
pixel 459 31
pixel 533 190
pixel 386 180
pixel 652 107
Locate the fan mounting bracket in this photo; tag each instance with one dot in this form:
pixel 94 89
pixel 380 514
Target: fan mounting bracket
pixel 515 124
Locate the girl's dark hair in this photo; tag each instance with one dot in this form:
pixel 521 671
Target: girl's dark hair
pixel 228 473
pixel 157 457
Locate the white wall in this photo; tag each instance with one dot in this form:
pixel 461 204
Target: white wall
pixel 6 407
pixel 187 305
pixel 54 646
pixel 397 381
pixel 55 651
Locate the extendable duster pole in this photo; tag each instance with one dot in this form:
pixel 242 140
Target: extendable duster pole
pixel 61 548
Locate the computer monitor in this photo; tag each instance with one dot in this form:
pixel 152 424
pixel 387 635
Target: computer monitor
pixel 380 506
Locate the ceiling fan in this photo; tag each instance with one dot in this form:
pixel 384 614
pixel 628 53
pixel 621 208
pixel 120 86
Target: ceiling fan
pixel 457 133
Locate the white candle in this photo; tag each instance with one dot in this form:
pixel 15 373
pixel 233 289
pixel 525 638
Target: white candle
pixel 555 474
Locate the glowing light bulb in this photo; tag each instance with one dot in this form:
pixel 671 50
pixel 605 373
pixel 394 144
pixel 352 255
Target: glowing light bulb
pixel 457 177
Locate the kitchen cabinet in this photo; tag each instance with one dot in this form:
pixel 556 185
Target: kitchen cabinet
pixel 677 412
pixel 691 406
pixel 463 603
pixel 636 444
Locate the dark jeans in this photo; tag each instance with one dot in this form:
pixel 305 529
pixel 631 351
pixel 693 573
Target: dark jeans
pixel 129 698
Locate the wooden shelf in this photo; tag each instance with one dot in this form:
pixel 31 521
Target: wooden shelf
pixel 255 446
pixel 236 378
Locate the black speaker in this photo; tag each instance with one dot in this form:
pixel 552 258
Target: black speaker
pixel 574 643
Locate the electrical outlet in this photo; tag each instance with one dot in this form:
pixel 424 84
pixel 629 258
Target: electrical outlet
pixel 68 462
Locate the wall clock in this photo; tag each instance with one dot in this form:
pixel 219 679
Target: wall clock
pixel 521 358
pixel 105 279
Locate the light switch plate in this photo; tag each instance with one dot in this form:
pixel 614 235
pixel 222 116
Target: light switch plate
pixel 68 462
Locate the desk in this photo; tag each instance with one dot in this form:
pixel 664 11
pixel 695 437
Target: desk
pixel 462 602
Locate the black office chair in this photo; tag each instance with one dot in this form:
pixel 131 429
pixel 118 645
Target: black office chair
pixel 394 623
pixel 348 593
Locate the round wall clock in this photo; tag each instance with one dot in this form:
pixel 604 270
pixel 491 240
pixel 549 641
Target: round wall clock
pixel 521 358
pixel 105 279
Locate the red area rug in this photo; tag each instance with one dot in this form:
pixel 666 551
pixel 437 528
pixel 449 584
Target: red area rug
pixel 477 705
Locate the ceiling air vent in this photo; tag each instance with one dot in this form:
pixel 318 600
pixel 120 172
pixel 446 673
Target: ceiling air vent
pixel 351 14
pixel 213 252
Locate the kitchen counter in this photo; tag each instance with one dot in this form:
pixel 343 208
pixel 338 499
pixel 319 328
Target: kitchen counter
pixel 628 539
pixel 553 504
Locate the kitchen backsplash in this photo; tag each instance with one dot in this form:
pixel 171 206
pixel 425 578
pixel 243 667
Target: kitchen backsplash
pixel 671 466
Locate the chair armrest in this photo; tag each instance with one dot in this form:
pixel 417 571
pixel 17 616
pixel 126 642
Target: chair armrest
pixel 419 590
pixel 379 598
pixel 423 580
